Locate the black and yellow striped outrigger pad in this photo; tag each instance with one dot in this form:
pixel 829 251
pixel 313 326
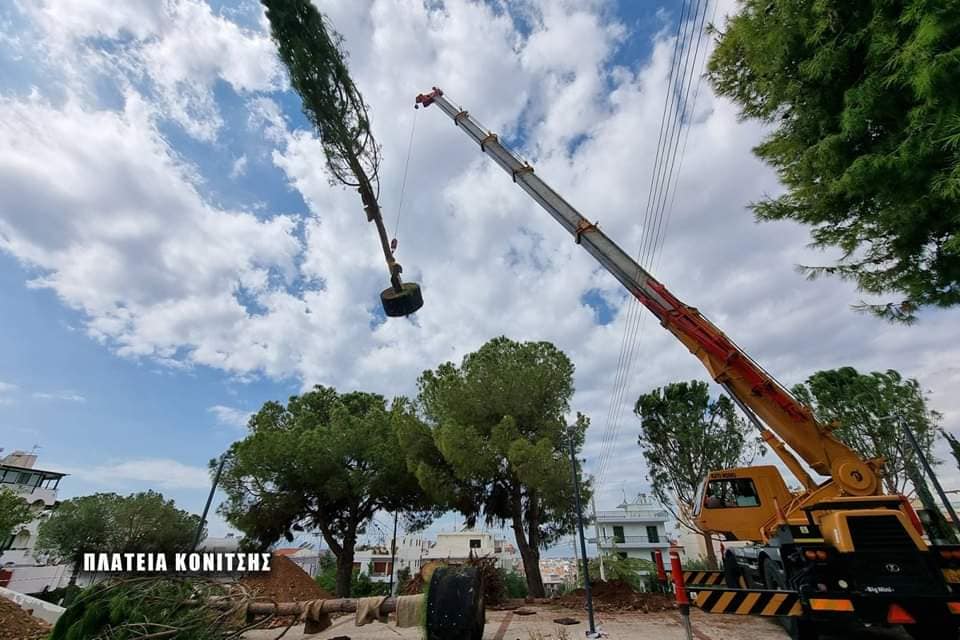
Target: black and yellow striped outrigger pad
pixel 702 578
pixel 757 602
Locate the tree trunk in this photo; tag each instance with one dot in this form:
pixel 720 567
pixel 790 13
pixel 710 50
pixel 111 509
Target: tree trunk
pixel 77 563
pixel 531 566
pixel 711 554
pixel 345 570
pixel 529 549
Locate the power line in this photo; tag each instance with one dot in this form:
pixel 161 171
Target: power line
pixel 607 436
pixel 663 180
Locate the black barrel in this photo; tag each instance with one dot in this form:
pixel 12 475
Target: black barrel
pixel 455 608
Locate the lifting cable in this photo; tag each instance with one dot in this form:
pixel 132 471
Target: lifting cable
pixel 403 182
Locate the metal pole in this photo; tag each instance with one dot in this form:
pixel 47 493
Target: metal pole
pixel 596 532
pixel 583 545
pixel 393 551
pixel 206 507
pixel 926 465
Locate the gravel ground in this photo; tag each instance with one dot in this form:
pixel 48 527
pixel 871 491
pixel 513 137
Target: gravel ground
pixel 505 625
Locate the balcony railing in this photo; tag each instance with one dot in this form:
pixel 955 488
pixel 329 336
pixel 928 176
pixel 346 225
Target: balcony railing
pixel 628 541
pixel 651 515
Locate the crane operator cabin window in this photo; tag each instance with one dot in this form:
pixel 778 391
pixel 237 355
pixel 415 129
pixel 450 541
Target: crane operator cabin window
pixel 738 492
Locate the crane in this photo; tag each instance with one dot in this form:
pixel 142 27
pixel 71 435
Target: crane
pixel 795 538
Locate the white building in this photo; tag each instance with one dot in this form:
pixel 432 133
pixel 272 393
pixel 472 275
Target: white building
pixel 375 561
pixel 20 569
pixel 633 530
pixel 304 557
pixel 457 546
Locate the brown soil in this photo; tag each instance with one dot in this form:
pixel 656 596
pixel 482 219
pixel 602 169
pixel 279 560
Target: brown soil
pixel 617 595
pixel 286 582
pixel 17 624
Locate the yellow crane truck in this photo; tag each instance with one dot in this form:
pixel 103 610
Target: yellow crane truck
pixel 837 551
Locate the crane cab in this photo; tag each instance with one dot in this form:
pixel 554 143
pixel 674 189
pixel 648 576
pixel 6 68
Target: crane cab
pixel 737 502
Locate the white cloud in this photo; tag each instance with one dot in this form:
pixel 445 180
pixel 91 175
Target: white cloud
pixel 110 216
pixel 99 203
pixel 239 167
pixel 6 392
pixel 230 416
pixel 66 396
pixel 142 473
pixel 179 46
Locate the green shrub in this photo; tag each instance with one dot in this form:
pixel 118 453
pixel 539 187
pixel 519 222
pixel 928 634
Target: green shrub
pixel 515 584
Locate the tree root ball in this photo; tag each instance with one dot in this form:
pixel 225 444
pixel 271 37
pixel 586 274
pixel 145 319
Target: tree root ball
pixel 402 303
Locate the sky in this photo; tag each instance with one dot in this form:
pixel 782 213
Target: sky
pixel 172 254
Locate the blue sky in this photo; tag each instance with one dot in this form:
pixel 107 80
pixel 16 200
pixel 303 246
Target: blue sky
pixel 214 268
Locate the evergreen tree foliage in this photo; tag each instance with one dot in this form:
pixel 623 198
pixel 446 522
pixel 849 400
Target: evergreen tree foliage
pixel 495 442
pixel 107 522
pixel 324 462
pixel 313 53
pixel 865 113
pixel 867 409
pixel 684 436
pixel 14 512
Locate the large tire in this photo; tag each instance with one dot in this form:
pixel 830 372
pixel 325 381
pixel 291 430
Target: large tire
pixel 796 626
pixel 455 607
pixel 731 572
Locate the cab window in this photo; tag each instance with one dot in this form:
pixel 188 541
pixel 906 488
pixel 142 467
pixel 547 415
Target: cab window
pixel 731 493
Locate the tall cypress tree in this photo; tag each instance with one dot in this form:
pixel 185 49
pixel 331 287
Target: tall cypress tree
pixel 313 54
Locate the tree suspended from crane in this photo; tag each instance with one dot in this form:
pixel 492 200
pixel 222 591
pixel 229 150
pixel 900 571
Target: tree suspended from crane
pixel 313 54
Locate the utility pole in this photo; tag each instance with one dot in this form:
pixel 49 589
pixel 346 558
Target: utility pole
pixel 206 507
pixel 583 545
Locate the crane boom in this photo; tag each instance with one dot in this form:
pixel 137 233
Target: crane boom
pixel 753 388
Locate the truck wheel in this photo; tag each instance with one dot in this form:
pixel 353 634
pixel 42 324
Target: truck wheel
pixel 796 626
pixel 731 573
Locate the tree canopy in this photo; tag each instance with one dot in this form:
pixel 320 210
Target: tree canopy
pixel 325 462
pixel 863 101
pixel 14 512
pixel 684 436
pixel 313 53
pixel 495 442
pixel 107 522
pixel 868 408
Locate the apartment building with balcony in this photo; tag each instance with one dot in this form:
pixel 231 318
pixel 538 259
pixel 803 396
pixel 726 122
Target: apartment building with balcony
pixel 635 529
pixel 20 569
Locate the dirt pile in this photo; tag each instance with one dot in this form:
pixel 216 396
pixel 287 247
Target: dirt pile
pixel 286 582
pixel 17 624
pixel 617 595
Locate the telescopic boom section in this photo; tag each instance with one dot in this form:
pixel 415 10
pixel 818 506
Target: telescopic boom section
pixel 728 364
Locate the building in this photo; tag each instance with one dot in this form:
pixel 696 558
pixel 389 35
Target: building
pixel 304 557
pixel 20 569
pixel 457 546
pixel 633 530
pixel 558 574
pixel 375 560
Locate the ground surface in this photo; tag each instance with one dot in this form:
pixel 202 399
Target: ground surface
pixel 627 625
pixel 17 624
